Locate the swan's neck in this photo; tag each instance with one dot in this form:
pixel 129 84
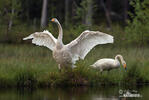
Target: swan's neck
pixel 60 37
pixel 119 57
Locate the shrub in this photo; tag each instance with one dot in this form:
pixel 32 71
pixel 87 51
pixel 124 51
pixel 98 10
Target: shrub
pixel 137 29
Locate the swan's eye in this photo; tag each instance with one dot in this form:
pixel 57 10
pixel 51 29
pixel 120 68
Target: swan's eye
pixel 52 19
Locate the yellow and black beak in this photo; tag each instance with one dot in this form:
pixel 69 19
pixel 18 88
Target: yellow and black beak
pixel 125 66
pixel 52 19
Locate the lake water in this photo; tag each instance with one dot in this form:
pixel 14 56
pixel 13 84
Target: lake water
pixel 81 93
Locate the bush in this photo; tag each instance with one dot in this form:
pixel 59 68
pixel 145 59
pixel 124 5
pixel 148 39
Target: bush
pixel 137 29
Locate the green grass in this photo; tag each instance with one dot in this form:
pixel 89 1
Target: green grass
pixel 34 66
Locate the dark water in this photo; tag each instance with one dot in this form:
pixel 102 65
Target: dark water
pixel 81 93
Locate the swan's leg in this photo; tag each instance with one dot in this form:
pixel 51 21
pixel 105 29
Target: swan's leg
pixel 73 66
pixel 59 67
pixel 101 70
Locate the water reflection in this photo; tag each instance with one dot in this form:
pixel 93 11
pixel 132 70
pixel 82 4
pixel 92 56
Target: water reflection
pixel 81 93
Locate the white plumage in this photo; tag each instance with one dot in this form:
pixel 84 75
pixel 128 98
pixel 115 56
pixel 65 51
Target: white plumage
pixel 67 55
pixel 44 38
pixel 86 41
pixel 109 64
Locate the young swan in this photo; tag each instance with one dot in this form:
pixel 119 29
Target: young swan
pixel 109 64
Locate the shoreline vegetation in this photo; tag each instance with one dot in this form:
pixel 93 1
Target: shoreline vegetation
pixel 27 65
pixel 33 66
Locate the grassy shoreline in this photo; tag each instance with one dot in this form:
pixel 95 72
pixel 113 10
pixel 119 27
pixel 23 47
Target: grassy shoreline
pixel 33 66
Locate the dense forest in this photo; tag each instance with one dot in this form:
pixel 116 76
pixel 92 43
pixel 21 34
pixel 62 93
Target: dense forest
pixel 126 19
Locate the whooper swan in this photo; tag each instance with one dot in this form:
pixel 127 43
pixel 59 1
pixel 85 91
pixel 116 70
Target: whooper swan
pixel 109 64
pixel 67 55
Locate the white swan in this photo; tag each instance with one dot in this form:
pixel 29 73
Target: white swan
pixel 109 64
pixel 67 55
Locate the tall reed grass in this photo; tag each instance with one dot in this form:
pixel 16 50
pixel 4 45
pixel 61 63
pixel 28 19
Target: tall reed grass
pixel 33 66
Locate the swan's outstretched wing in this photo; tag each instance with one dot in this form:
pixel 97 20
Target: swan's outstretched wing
pixel 80 47
pixel 44 38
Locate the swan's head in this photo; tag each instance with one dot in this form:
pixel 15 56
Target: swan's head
pixel 92 66
pixel 54 20
pixel 124 65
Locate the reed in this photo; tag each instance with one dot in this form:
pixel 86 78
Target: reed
pixel 33 66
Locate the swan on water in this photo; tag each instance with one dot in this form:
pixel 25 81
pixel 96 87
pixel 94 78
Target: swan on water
pixel 67 55
pixel 109 64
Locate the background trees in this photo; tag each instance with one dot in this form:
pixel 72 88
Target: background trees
pixel 138 27
pixel 26 16
pixel 44 14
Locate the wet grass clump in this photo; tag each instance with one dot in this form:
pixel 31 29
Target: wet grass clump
pixel 33 66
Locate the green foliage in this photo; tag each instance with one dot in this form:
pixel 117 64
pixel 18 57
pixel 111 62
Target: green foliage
pixel 82 10
pixel 17 33
pixel 6 7
pixel 132 75
pixel 33 66
pixel 25 77
pixel 138 30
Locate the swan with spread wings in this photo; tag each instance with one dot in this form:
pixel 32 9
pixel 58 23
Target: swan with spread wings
pixel 67 55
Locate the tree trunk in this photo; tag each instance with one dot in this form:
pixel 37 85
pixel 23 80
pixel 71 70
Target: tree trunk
pixel 108 5
pixel 44 14
pixel 34 24
pixel 66 12
pixel 107 14
pixel 11 20
pixel 88 17
pixel 125 11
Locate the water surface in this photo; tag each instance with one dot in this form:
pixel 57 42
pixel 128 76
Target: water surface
pixel 81 93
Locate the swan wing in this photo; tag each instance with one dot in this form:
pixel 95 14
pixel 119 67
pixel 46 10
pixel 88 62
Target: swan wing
pixel 44 38
pixel 80 47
